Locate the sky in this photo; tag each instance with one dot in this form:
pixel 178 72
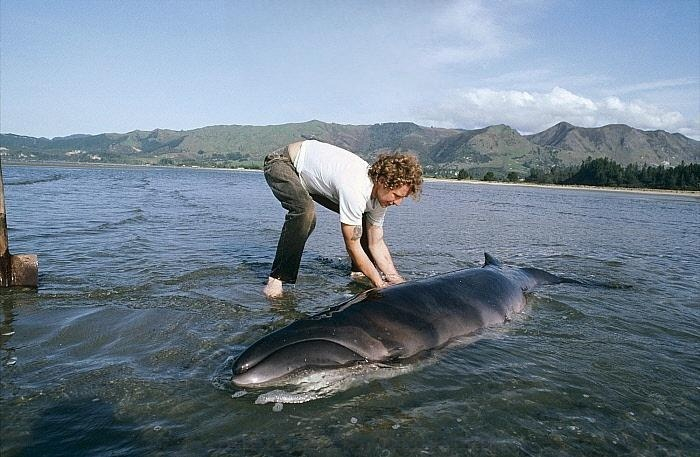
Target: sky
pixel 97 66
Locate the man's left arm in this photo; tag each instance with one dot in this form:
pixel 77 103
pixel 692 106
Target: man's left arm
pixel 380 253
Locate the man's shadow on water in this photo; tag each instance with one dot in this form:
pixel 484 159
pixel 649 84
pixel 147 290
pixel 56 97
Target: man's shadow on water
pixel 83 427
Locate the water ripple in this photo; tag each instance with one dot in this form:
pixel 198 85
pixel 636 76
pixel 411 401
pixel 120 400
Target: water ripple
pixel 150 284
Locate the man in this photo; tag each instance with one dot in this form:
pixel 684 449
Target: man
pixel 309 171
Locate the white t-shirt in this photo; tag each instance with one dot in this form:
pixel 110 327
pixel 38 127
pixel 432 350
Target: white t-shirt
pixel 340 176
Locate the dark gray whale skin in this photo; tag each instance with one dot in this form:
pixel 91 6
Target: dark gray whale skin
pixel 394 323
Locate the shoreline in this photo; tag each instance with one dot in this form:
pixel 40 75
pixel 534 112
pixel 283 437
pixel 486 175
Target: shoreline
pixel 633 190
pixel 636 190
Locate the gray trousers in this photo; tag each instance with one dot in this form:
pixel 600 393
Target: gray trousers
pixel 300 220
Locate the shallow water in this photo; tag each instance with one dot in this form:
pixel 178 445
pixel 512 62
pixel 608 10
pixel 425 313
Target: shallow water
pixel 150 282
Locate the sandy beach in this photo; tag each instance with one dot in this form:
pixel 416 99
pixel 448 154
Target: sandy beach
pixel 689 193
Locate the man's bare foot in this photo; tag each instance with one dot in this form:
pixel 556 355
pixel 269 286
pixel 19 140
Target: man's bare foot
pixel 273 289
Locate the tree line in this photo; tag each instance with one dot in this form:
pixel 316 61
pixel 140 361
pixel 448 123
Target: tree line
pixel 606 172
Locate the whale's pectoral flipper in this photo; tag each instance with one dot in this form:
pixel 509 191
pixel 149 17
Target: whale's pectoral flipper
pixel 310 353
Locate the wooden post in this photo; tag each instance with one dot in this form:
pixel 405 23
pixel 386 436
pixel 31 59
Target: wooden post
pixel 15 270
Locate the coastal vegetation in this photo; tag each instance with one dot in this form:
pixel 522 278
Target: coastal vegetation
pixel 608 173
pixel 603 172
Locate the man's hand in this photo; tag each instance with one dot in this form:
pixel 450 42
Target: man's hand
pixel 392 279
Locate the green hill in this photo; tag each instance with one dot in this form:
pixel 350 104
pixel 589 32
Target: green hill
pixel 497 148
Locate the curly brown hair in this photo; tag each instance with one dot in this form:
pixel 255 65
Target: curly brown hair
pixel 396 170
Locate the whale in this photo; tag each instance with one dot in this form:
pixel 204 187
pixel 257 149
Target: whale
pixel 392 324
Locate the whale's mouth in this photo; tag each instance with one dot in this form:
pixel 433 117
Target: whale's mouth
pixel 309 385
pixel 292 358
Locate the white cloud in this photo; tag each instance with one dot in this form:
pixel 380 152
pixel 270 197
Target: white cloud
pixel 531 112
pixel 641 113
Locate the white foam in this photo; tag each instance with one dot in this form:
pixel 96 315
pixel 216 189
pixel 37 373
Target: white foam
pixel 312 385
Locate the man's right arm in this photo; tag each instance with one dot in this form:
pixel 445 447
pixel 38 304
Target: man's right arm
pixel 351 236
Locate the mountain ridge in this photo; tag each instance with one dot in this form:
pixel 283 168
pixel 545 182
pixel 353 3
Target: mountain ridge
pixel 498 148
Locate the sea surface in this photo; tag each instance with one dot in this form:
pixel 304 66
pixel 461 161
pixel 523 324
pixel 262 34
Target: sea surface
pixel 150 284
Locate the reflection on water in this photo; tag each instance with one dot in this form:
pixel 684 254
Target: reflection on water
pixel 150 284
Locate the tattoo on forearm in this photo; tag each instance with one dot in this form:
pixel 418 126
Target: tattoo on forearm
pixel 356 232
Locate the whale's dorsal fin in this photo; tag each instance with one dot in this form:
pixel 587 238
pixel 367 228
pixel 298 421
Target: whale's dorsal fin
pixel 491 260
